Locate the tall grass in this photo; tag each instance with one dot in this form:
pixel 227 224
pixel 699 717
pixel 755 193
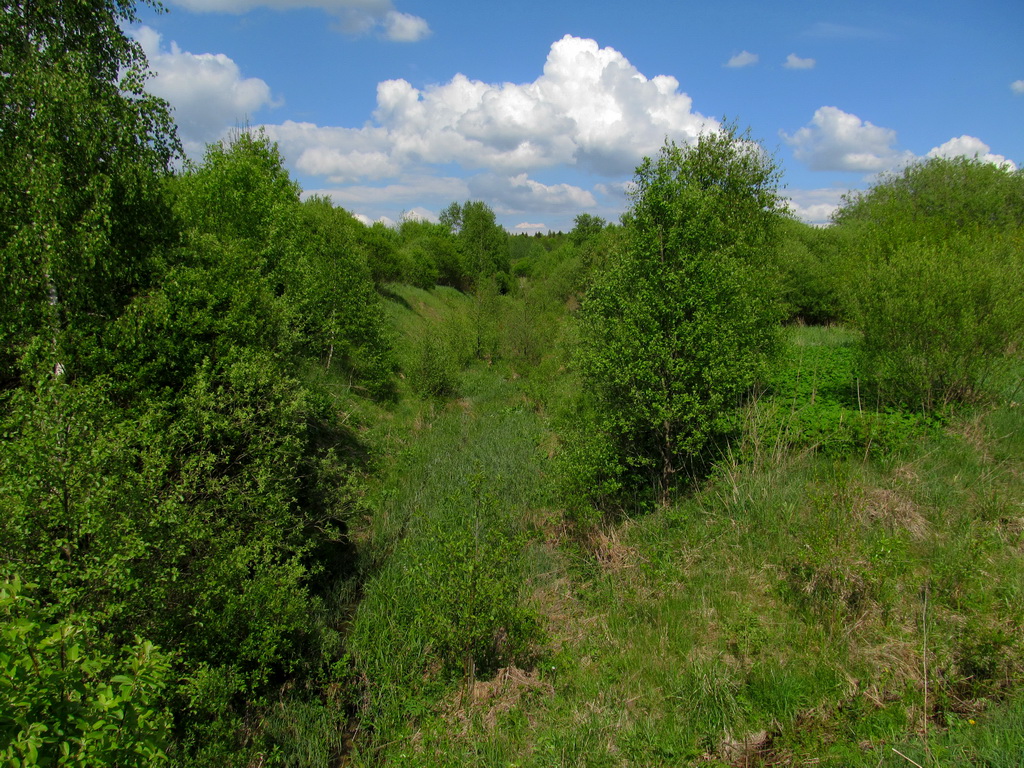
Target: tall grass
pixel 445 601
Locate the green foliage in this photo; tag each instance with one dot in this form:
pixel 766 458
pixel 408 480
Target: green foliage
pixel 82 147
pixel 193 493
pixel 446 593
pixel 813 401
pixel 257 270
pixel 418 253
pixel 192 477
pixel 435 363
pixel 224 288
pixel 72 504
pixel 431 255
pixel 380 243
pixel 65 702
pixel 482 243
pixel 232 469
pixel 484 318
pixel 938 317
pixel 680 324
pixel 199 523
pixel 189 525
pixel 586 229
pixel 434 339
pixel 242 194
pixel 934 279
pixel 307 733
pixel 939 196
pixel 340 317
pixel 472 617
pixel 807 259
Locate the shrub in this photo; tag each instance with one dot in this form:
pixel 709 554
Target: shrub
pixel 805 259
pixel 936 281
pixel 64 702
pixel 681 322
pixel 938 317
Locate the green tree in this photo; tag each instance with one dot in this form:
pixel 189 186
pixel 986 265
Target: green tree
pixel 807 259
pixel 380 245
pixel 241 194
pixel 680 323
pixel 430 254
pixel 257 269
pixel 483 243
pixel 934 278
pixel 179 481
pixel 82 148
pixel 190 493
pixel 941 196
pixel 333 298
pixel 587 228
pixel 224 288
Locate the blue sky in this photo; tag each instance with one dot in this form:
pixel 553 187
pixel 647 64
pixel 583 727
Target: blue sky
pixel 543 109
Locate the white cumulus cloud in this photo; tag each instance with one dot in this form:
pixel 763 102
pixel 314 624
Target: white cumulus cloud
pixel 591 108
pixel 969 146
pixel 795 62
pixel 838 141
pixel 407 196
pixel 355 17
pixel 814 206
pixel 412 189
pixel 520 194
pixel 342 167
pixel 206 90
pixel 1017 86
pixel 835 140
pixel 404 27
pixel 743 59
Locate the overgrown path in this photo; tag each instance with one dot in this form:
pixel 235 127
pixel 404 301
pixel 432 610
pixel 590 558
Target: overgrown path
pixel 447 552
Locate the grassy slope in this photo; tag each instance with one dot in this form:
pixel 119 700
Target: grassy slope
pixel 802 607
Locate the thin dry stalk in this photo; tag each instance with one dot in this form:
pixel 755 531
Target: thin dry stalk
pixel 906 758
pixel 924 662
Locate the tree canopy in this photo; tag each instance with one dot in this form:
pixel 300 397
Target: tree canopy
pixel 82 149
pixel 679 323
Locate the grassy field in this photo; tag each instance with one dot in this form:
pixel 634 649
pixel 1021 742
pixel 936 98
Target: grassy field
pixel 847 589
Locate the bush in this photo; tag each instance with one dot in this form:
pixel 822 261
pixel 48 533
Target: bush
pixel 806 262
pixel 63 701
pixel 939 317
pixel 681 322
pixel 936 279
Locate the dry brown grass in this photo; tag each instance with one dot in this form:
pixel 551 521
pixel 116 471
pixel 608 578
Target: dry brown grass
pixel 974 433
pixel 746 750
pixel 463 403
pixel 612 553
pixel 484 703
pixel 894 509
pixel 895 661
